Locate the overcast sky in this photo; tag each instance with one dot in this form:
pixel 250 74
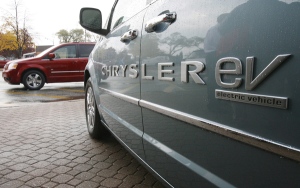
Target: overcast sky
pixel 45 18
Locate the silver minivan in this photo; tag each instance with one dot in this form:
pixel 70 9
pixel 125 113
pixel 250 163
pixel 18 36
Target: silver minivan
pixel 203 93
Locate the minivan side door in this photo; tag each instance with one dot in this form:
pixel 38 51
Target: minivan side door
pixel 200 59
pixel 117 62
pixel 63 68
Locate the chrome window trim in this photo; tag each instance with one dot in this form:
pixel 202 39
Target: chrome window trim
pixel 114 27
pixel 236 134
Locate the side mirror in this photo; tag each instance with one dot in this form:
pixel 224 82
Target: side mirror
pixel 51 56
pixel 91 19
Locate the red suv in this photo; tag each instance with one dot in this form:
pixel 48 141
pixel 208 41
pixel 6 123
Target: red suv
pixel 62 63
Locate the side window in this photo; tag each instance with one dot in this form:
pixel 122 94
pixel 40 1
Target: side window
pixel 85 50
pixel 126 9
pixel 65 52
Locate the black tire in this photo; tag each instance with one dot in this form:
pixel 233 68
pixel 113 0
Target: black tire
pixel 33 80
pixel 95 128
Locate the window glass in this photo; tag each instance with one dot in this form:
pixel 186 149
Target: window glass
pixel 126 9
pixel 65 52
pixel 85 50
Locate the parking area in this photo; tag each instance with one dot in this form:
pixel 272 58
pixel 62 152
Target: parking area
pixel 17 95
pixel 47 145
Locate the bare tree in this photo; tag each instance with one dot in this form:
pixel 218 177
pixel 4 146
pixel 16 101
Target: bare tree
pixel 13 24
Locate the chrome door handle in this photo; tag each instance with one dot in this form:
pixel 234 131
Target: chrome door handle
pixel 129 35
pixel 167 18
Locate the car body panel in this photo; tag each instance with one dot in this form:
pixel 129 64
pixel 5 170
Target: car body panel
pixel 125 122
pixel 63 70
pixel 199 100
pixel 232 123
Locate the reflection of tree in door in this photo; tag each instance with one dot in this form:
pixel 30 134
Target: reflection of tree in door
pixel 177 42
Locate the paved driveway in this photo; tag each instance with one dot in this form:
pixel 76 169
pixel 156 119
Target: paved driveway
pixel 47 145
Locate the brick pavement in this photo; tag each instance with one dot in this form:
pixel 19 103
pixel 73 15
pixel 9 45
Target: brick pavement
pixel 47 145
